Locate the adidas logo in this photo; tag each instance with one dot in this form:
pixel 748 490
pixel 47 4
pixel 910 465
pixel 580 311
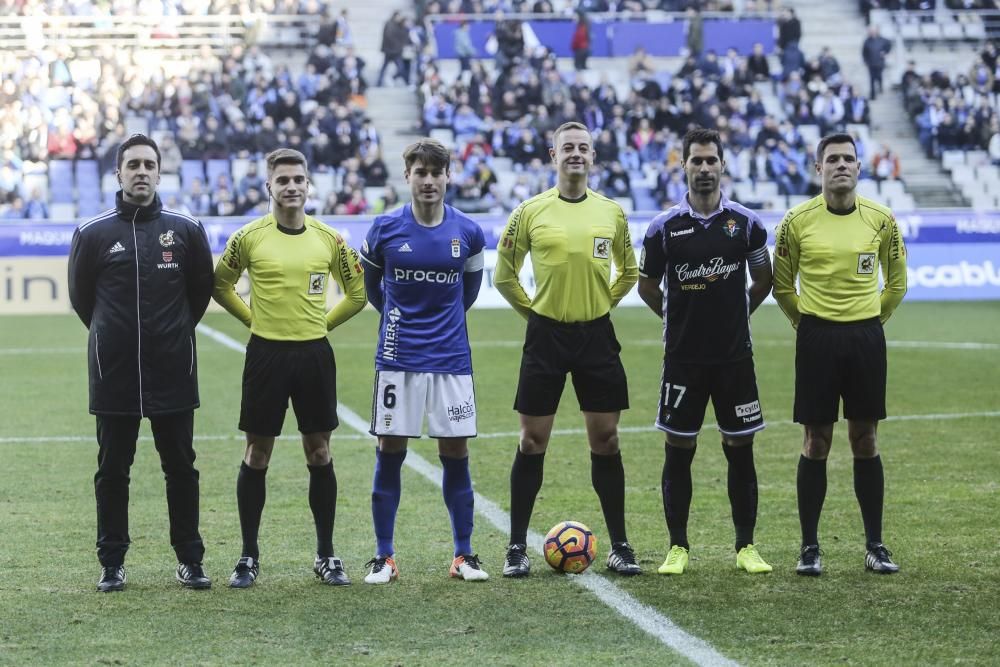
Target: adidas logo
pixel 405 248
pixel 117 247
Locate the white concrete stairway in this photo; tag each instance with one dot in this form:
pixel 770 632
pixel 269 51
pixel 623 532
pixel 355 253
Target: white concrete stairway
pixel 839 25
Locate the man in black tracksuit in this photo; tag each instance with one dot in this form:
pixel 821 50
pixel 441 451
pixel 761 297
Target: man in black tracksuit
pixel 140 278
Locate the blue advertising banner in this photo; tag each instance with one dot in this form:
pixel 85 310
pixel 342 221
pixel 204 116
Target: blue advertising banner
pixel 951 255
pixel 34 239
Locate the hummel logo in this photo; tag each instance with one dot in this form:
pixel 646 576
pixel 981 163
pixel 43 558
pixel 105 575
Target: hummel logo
pixel 117 247
pixel 394 315
pixel 682 232
pixel 405 248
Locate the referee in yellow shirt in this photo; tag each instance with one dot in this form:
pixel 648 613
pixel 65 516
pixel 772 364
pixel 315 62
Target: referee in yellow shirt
pixel 573 235
pixel 289 257
pixel 836 244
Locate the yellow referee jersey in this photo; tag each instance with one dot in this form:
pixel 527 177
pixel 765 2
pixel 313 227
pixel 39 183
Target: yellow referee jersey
pixel 572 245
pixel 837 258
pixel 288 279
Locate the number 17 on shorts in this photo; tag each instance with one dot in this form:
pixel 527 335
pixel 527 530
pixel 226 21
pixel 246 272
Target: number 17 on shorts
pixel 402 398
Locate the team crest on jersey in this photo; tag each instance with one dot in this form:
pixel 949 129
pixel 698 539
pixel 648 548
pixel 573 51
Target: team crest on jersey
pixel 866 263
pixel 731 228
pixel 167 238
pixel 387 419
pixel 456 248
pixel 316 283
pixel 602 248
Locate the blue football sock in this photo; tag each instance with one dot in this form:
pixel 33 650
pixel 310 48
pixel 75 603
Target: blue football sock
pixel 386 490
pixel 457 488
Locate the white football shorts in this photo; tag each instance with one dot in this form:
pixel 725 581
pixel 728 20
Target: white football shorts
pixel 402 398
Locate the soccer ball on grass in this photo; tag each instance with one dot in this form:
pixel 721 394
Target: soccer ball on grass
pixel 570 547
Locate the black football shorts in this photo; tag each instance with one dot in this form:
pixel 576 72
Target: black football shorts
pixel 686 388
pixel 588 351
pixel 835 360
pixel 276 371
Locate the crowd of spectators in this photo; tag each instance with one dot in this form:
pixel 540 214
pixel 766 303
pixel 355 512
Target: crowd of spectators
pixel 59 105
pixel 508 107
pixel 956 110
pixel 573 7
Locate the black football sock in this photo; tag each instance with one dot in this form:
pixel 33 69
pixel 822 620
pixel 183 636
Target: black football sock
pixel 525 483
pixel 323 503
pixel 811 485
pixel 742 481
pixel 607 474
pixel 676 485
pixel 869 487
pixel 251 492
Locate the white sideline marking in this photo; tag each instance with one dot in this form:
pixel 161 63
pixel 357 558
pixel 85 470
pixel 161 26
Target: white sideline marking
pixel 647 618
pixel 489 436
pixel 644 616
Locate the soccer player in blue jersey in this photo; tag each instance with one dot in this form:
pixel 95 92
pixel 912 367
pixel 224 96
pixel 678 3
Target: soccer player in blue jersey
pixel 423 270
pixel 700 249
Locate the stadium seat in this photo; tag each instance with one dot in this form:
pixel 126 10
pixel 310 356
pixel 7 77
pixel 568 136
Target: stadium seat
pixel 930 31
pixel 983 202
pixel 502 164
pixel 109 183
pixel 38 180
pixel 190 170
pixel 88 208
pixel 625 203
pixel 61 181
pixel 169 183
pixel 892 189
pixel 909 31
pixel 963 173
pixel 323 181
pixel 765 190
pixel 88 174
pixel 62 211
pixel 975 30
pixel 240 167
pixel 445 135
pixel 951 159
pixel 810 134
pixel 868 188
pixel 952 30
pixel 136 125
pixel 216 168
pixel 976 158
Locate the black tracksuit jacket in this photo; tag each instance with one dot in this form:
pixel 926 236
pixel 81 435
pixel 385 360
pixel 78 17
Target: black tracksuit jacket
pixel 140 278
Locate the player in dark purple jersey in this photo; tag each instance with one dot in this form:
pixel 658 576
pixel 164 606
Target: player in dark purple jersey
pixel 423 270
pixel 700 249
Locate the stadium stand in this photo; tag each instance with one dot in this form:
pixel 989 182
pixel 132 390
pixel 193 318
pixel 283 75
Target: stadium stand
pixel 770 108
pixel 198 76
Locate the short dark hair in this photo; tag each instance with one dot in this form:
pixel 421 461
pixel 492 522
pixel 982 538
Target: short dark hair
pixel 569 125
pixel 429 152
pixel 836 138
pixel 700 135
pixel 137 140
pixel 285 156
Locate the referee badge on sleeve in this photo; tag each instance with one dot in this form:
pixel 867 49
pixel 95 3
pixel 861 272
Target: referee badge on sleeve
pixel 602 248
pixel 866 263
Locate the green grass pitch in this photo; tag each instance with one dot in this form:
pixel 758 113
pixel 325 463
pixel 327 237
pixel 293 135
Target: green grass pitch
pixel 942 502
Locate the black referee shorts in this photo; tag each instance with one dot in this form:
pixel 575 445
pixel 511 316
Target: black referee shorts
pixel 278 370
pixel 589 351
pixel 839 359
